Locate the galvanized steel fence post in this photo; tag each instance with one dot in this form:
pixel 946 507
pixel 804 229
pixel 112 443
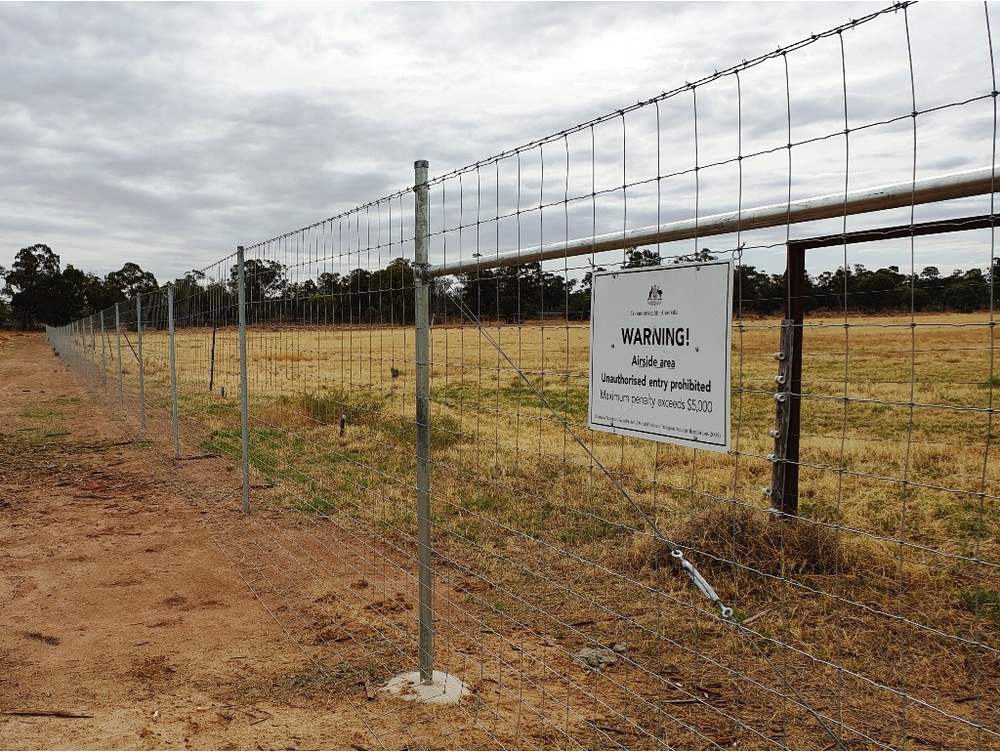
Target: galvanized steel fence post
pixel 121 370
pixel 173 369
pixel 104 356
pixel 244 414
pixel 142 364
pixel 211 361
pixel 93 341
pixel 422 320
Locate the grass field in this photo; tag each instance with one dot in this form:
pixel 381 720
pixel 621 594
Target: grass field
pixel 879 608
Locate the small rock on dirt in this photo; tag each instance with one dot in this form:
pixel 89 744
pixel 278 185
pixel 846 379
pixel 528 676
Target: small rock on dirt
pixel 596 659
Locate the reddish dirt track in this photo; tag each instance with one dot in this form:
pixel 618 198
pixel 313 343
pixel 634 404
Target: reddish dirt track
pixel 117 604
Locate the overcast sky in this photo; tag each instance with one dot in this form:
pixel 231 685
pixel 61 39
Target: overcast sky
pixel 169 133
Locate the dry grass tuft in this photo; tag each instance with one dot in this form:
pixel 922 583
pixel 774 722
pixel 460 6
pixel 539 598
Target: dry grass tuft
pixel 719 536
pixel 759 540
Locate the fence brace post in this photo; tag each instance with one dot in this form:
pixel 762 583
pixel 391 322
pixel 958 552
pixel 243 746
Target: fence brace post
pixel 422 321
pixel 173 370
pixel 244 414
pixel 104 356
pixel 784 490
pixel 142 363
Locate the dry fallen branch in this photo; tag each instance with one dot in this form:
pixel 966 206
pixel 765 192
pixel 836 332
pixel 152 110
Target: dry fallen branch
pixel 46 713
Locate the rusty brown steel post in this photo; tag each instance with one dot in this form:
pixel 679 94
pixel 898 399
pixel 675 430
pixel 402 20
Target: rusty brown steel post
pixel 784 490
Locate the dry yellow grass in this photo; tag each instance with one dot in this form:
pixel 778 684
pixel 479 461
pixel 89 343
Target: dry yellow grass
pixel 939 446
pixel 888 581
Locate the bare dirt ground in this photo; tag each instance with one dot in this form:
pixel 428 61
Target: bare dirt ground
pixel 116 604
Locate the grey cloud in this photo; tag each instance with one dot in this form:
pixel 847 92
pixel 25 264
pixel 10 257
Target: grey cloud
pixel 169 133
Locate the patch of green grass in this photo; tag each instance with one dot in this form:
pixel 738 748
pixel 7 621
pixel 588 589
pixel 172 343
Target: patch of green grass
pixel 981 602
pixel 315 504
pixel 278 455
pixel 968 522
pixel 820 510
pixel 564 398
pixel 38 437
pixel 739 615
pixel 446 430
pixel 221 408
pixel 41 413
pixel 469 530
pixel 585 530
pixel 363 408
pixel 460 394
pixel 224 441
pixel 485 501
pixel 270 443
pixel 501 607
pixel 49 426
pixel 359 406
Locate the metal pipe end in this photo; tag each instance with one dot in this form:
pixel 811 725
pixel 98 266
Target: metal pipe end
pixel 421 163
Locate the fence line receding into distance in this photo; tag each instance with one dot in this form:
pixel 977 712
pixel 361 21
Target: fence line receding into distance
pixel 404 386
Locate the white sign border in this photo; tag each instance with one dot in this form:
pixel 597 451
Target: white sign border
pixel 722 448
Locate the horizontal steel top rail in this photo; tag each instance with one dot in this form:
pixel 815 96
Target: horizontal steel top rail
pixel 975 182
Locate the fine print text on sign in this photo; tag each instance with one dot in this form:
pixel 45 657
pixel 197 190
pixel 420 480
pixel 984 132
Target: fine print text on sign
pixel 660 353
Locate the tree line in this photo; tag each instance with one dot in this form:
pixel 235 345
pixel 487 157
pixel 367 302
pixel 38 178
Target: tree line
pixel 39 290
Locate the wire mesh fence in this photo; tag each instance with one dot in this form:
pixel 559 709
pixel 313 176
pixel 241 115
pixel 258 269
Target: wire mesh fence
pixel 422 490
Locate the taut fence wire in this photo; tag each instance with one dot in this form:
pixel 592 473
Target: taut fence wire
pixel 401 390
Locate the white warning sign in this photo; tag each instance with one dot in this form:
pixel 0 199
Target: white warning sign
pixel 660 353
